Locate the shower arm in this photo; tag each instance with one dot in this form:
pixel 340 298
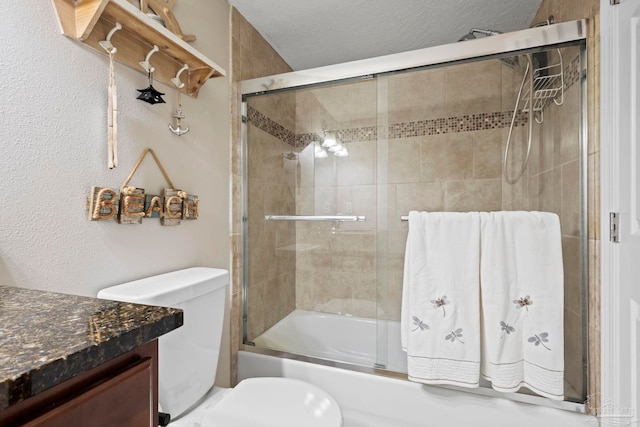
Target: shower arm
pixel 485 32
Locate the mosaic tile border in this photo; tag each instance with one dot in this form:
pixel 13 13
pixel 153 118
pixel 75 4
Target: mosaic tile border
pixel 270 126
pixel 572 73
pixel 466 123
pixel 440 126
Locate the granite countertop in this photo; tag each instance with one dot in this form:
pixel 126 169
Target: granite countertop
pixel 47 338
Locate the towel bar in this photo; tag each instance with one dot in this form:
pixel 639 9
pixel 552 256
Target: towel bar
pixel 341 218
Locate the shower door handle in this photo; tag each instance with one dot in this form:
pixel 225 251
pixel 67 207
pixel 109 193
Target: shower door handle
pixel 341 218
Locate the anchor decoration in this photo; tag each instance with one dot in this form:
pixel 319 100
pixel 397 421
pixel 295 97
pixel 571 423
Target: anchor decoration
pixel 178 129
pixel 178 115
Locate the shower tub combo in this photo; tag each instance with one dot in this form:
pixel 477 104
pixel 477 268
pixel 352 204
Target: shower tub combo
pixel 335 157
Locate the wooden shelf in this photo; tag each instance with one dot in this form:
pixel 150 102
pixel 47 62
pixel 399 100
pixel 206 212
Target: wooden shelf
pixel 89 21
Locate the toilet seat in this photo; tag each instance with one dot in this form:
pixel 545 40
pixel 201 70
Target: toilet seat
pixel 274 402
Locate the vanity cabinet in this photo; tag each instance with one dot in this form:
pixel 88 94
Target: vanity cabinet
pixel 75 361
pixel 121 392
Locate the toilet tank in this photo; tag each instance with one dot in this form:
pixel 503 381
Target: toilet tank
pixel 187 356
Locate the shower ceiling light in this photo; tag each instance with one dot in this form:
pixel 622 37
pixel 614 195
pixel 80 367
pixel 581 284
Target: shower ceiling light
pixel 336 147
pixel 342 152
pixel 329 140
pixel 321 154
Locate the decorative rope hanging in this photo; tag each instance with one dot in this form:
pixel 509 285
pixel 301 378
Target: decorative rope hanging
pixel 135 169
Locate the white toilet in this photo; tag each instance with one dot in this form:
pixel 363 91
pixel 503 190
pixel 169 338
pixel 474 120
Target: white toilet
pixel 188 358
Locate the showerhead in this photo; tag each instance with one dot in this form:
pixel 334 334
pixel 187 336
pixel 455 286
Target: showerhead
pixel 510 61
pixel 468 36
pixel 472 34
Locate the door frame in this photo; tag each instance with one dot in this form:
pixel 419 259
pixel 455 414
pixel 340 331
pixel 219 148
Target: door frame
pixel 609 202
pixel 613 312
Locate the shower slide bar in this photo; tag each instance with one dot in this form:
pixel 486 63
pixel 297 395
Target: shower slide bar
pixel 341 218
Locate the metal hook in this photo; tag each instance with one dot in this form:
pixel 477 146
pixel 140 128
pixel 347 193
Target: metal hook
pixel 176 80
pixel 106 44
pixel 145 64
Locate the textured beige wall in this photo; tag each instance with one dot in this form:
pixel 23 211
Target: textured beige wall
pixel 55 149
pixel 60 142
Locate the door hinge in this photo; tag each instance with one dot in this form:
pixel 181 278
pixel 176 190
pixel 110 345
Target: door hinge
pixel 614 225
pixel 614 2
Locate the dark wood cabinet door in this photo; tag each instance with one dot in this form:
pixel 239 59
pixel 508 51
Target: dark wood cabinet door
pixel 124 400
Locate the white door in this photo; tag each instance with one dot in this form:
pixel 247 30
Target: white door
pixel 620 151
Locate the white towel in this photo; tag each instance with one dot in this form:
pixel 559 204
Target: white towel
pixel 522 281
pixel 440 319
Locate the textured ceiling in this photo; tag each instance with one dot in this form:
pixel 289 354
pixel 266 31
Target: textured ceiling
pixel 313 33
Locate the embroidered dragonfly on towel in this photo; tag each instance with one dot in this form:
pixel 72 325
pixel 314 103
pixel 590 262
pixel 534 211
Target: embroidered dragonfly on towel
pixel 419 324
pixel 506 328
pixel 440 302
pixel 523 302
pixel 455 335
pixel 540 339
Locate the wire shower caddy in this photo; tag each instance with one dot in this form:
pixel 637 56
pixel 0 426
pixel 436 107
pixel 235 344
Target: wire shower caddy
pixel 546 85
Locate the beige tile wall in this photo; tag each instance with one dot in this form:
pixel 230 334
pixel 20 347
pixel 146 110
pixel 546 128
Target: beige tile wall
pixel 567 10
pixel 453 171
pixel 251 57
pixel 554 182
pixel 271 260
pixel 593 174
pixel 459 170
pixel 336 264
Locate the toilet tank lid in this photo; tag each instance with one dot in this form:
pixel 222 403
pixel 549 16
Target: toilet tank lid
pixel 169 288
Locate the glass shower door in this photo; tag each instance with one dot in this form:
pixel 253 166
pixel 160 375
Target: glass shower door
pixel 312 222
pixel 442 135
pixel 331 169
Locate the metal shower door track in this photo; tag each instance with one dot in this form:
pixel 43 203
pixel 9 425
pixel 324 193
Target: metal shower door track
pixel 501 44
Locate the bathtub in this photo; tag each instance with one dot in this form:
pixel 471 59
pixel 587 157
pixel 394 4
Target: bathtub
pixel 347 339
pixel 369 400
